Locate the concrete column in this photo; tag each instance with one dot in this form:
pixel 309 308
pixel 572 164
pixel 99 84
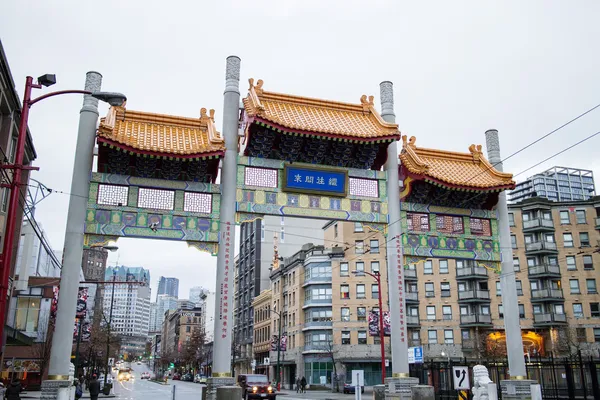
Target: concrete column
pixel 224 289
pixel 229 392
pixel 62 340
pixel 399 338
pixel 514 341
pixel 423 392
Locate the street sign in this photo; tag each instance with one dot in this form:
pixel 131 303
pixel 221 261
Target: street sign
pixel 387 363
pixel 253 364
pixel 267 361
pixel 415 355
pixel 111 362
pixel 358 377
pixel 461 378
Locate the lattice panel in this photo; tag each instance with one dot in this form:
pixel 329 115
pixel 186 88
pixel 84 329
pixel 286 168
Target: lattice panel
pixel 112 195
pixel 156 199
pixel 261 177
pixel 197 202
pixel 363 187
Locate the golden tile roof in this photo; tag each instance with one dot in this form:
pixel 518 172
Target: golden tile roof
pixel 163 134
pixel 467 170
pixel 357 121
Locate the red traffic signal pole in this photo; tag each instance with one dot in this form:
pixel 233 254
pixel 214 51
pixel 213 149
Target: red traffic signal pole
pixel 377 278
pixel 15 192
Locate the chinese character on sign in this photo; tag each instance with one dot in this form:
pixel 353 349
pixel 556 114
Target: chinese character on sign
pixel 320 180
pixel 332 181
pixel 309 179
pixel 298 178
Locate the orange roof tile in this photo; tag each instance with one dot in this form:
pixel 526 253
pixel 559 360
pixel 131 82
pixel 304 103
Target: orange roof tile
pixel 164 134
pixel 470 170
pixel 358 121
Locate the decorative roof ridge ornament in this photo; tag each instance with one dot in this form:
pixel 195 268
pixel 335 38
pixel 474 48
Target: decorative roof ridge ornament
pixel 367 104
pixel 476 153
pixel 208 122
pixel 409 147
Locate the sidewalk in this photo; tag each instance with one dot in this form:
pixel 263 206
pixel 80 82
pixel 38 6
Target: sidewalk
pixel 86 395
pixel 323 394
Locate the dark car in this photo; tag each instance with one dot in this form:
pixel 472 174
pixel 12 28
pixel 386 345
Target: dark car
pixel 187 378
pixel 256 386
pixel 348 388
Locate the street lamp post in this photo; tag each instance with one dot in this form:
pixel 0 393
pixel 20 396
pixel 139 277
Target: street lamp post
pixel 18 168
pixel 277 368
pixel 109 325
pixel 377 278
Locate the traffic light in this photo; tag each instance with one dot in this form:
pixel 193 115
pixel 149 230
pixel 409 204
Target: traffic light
pixel 172 365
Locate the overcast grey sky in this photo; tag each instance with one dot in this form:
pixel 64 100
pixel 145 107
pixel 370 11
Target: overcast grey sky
pixel 459 68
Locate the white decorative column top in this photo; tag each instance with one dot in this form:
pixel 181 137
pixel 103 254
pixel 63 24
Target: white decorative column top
pixel 93 83
pixel 493 148
pixel 386 93
pixel 232 74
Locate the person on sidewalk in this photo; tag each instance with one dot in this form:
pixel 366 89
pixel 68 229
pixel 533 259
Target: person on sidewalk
pixel 94 387
pixel 13 392
pixel 303 385
pixel 297 384
pixel 78 388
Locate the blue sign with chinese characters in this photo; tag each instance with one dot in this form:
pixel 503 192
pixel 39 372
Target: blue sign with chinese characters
pixel 315 181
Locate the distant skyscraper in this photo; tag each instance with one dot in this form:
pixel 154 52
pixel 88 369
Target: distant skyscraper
pixel 197 293
pixel 164 303
pixel 185 304
pixel 556 184
pixel 168 286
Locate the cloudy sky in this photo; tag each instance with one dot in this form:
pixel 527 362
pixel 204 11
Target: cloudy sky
pixel 459 68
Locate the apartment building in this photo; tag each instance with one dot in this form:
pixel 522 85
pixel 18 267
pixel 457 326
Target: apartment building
pixel 262 332
pixel 556 184
pixel 178 327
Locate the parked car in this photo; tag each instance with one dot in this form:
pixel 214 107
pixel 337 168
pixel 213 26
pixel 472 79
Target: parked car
pixel 187 378
pixel 348 388
pixel 145 375
pixel 256 386
pixel 176 377
pixel 199 378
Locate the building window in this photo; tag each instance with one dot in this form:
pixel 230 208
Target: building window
pixel 431 312
pixel 432 336
pixel 571 263
pixel 443 266
pixel 360 291
pixel 584 239
pixel 445 287
pixel 360 268
pixel 359 247
pixel 358 227
pixel 588 262
pixel 577 310
pixel 361 313
pixel 591 286
pixel 521 311
pixel 345 314
pixel 568 239
pixel 500 311
pixel 498 289
pixel 374 245
pixel 429 289
pixel 595 310
pixel 449 224
pixel 345 337
pixel 580 216
pixel 447 312
pixel 417 222
pixel 375 291
pixel 574 285
pixel 28 310
pixel 448 336
pixel 428 267
pixel 511 219
pixel 344 291
pixel 344 269
pixel 362 337
pixel 565 218
pixel 516 265
pixel 519 288
pixel 513 241
pixel 480 227
pixel 596 335
pixel 375 267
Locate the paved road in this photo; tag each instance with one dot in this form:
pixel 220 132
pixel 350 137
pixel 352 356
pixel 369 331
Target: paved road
pixel 142 389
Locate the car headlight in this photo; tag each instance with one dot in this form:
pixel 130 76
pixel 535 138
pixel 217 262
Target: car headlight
pixel 270 389
pixel 254 389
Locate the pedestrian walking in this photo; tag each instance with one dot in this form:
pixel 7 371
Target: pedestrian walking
pixel 94 387
pixel 78 388
pixel 303 385
pixel 297 384
pixel 13 391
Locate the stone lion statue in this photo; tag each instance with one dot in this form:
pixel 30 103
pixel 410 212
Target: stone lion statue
pixel 481 378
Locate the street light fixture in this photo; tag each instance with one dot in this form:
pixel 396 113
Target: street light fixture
pixel 377 278
pixel 18 168
pixel 277 369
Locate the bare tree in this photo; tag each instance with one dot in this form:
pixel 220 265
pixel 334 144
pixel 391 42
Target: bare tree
pixel 332 353
pixel 41 349
pixel 571 342
pixel 193 347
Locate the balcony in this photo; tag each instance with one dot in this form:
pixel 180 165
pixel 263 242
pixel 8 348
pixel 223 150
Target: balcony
pixel 469 345
pixel 411 297
pixel 316 348
pixel 410 274
pixel 316 303
pixel 414 342
pixel 549 319
pixel 471 273
pixel 475 320
pixel 474 296
pixel 317 325
pixel 412 321
pixel 544 271
pixel 317 280
pixel 538 225
pixel 539 295
pixel 541 247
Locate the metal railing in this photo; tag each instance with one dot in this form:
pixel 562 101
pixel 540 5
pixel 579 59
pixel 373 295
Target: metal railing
pixel 412 320
pixel 547 293
pixel 476 319
pixel 544 269
pixel 474 295
pixel 549 317
pixel 538 223
pixel 471 271
pixel 541 245
pixel 411 296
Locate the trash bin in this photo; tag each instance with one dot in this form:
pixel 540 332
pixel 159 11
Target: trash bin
pixel 107 388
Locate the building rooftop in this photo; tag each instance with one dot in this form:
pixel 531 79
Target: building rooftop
pixel 462 170
pixel 308 115
pixel 161 135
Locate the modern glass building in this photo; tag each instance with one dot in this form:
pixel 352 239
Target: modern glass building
pixel 556 184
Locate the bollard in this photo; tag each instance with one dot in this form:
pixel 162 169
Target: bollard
pixel 492 391
pixel 229 393
pixel 173 392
